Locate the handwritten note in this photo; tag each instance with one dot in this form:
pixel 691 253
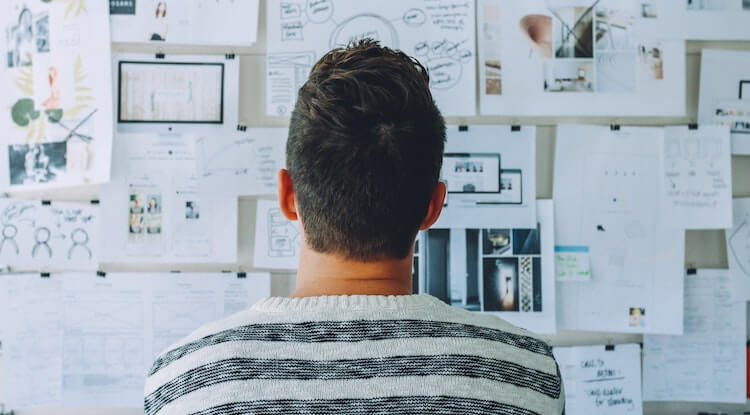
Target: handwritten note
pixel 697 177
pixel 572 263
pixel 598 380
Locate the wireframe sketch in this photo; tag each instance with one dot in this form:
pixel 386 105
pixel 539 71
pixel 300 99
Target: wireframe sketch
pixel 34 234
pixel 440 34
pixel 58 121
pixel 283 238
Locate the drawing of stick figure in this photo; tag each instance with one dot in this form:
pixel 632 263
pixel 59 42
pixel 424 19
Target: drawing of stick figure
pixel 42 236
pixel 9 235
pixel 80 239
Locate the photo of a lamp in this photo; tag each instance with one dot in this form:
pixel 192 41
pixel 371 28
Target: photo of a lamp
pixel 537 28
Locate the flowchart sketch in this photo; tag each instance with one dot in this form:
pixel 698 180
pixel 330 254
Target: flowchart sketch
pixel 439 33
pixel 277 239
pixel 242 163
pixel 57 95
pixel 38 235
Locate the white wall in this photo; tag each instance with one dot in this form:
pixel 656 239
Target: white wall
pixel 704 249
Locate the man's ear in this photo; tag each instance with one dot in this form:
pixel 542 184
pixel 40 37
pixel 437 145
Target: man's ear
pixel 286 195
pixel 435 207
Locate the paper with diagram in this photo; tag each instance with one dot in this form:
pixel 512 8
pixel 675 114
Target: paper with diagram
pixel 176 93
pixel 277 239
pixel 439 33
pixel 201 22
pixel 153 210
pixel 738 246
pixel 565 58
pixel 39 235
pixel 507 272
pixel 601 379
pixel 490 175
pixel 697 177
pixel 86 340
pixel 706 363
pixel 724 96
pixel 56 94
pixel 606 183
pixel 241 163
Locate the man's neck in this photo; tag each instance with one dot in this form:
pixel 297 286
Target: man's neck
pixel 324 274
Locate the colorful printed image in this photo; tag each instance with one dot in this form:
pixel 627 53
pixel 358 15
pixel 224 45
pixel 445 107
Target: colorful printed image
pixel 501 284
pixel 191 210
pixel 37 163
pixel 160 24
pixel 144 213
pixel 637 317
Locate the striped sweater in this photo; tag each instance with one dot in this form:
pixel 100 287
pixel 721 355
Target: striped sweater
pixel 356 355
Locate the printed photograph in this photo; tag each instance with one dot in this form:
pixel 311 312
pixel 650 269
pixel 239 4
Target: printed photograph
pixel 191 210
pixel 616 71
pixel 37 163
pixel 495 241
pixel 41 32
pixel 537 30
pixel 459 289
pixel 136 209
pixel 159 25
pixel 492 47
pixel 526 241
pixel 651 62
pixel 573 31
pixel 649 9
pixel 153 214
pixel 569 75
pixel 637 317
pixel 614 28
pixel 20 38
pixel 500 284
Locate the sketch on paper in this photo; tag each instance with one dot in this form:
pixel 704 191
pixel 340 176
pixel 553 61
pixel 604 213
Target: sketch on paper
pixel 56 234
pixel 277 239
pixel 245 163
pixel 59 128
pixel 594 57
pixel 173 92
pixel 738 246
pixel 440 34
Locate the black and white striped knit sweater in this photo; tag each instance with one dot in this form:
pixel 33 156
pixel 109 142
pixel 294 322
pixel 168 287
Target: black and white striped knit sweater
pixel 356 355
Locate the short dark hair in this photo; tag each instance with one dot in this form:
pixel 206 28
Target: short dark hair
pixel 364 152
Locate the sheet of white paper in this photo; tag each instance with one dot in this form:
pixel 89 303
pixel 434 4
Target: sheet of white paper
pixel 697 177
pixel 601 381
pixel 490 173
pixel 56 95
pixel 565 58
pixel 153 212
pixel 32 340
pixel 38 235
pixel 706 363
pixel 277 240
pixel 440 33
pixel 507 272
pixel 241 163
pixel 738 247
pixel 606 183
pixel 184 94
pixel 201 22
pixel 725 78
pixel 572 263
pixel 83 340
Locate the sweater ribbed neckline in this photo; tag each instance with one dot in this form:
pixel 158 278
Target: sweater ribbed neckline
pixel 347 302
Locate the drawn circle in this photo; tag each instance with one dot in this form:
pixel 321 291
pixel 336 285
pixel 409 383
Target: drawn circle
pixel 421 49
pixel 319 11
pixel 444 73
pixel 363 26
pixel 10 231
pixel 42 235
pixel 415 17
pixel 79 236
